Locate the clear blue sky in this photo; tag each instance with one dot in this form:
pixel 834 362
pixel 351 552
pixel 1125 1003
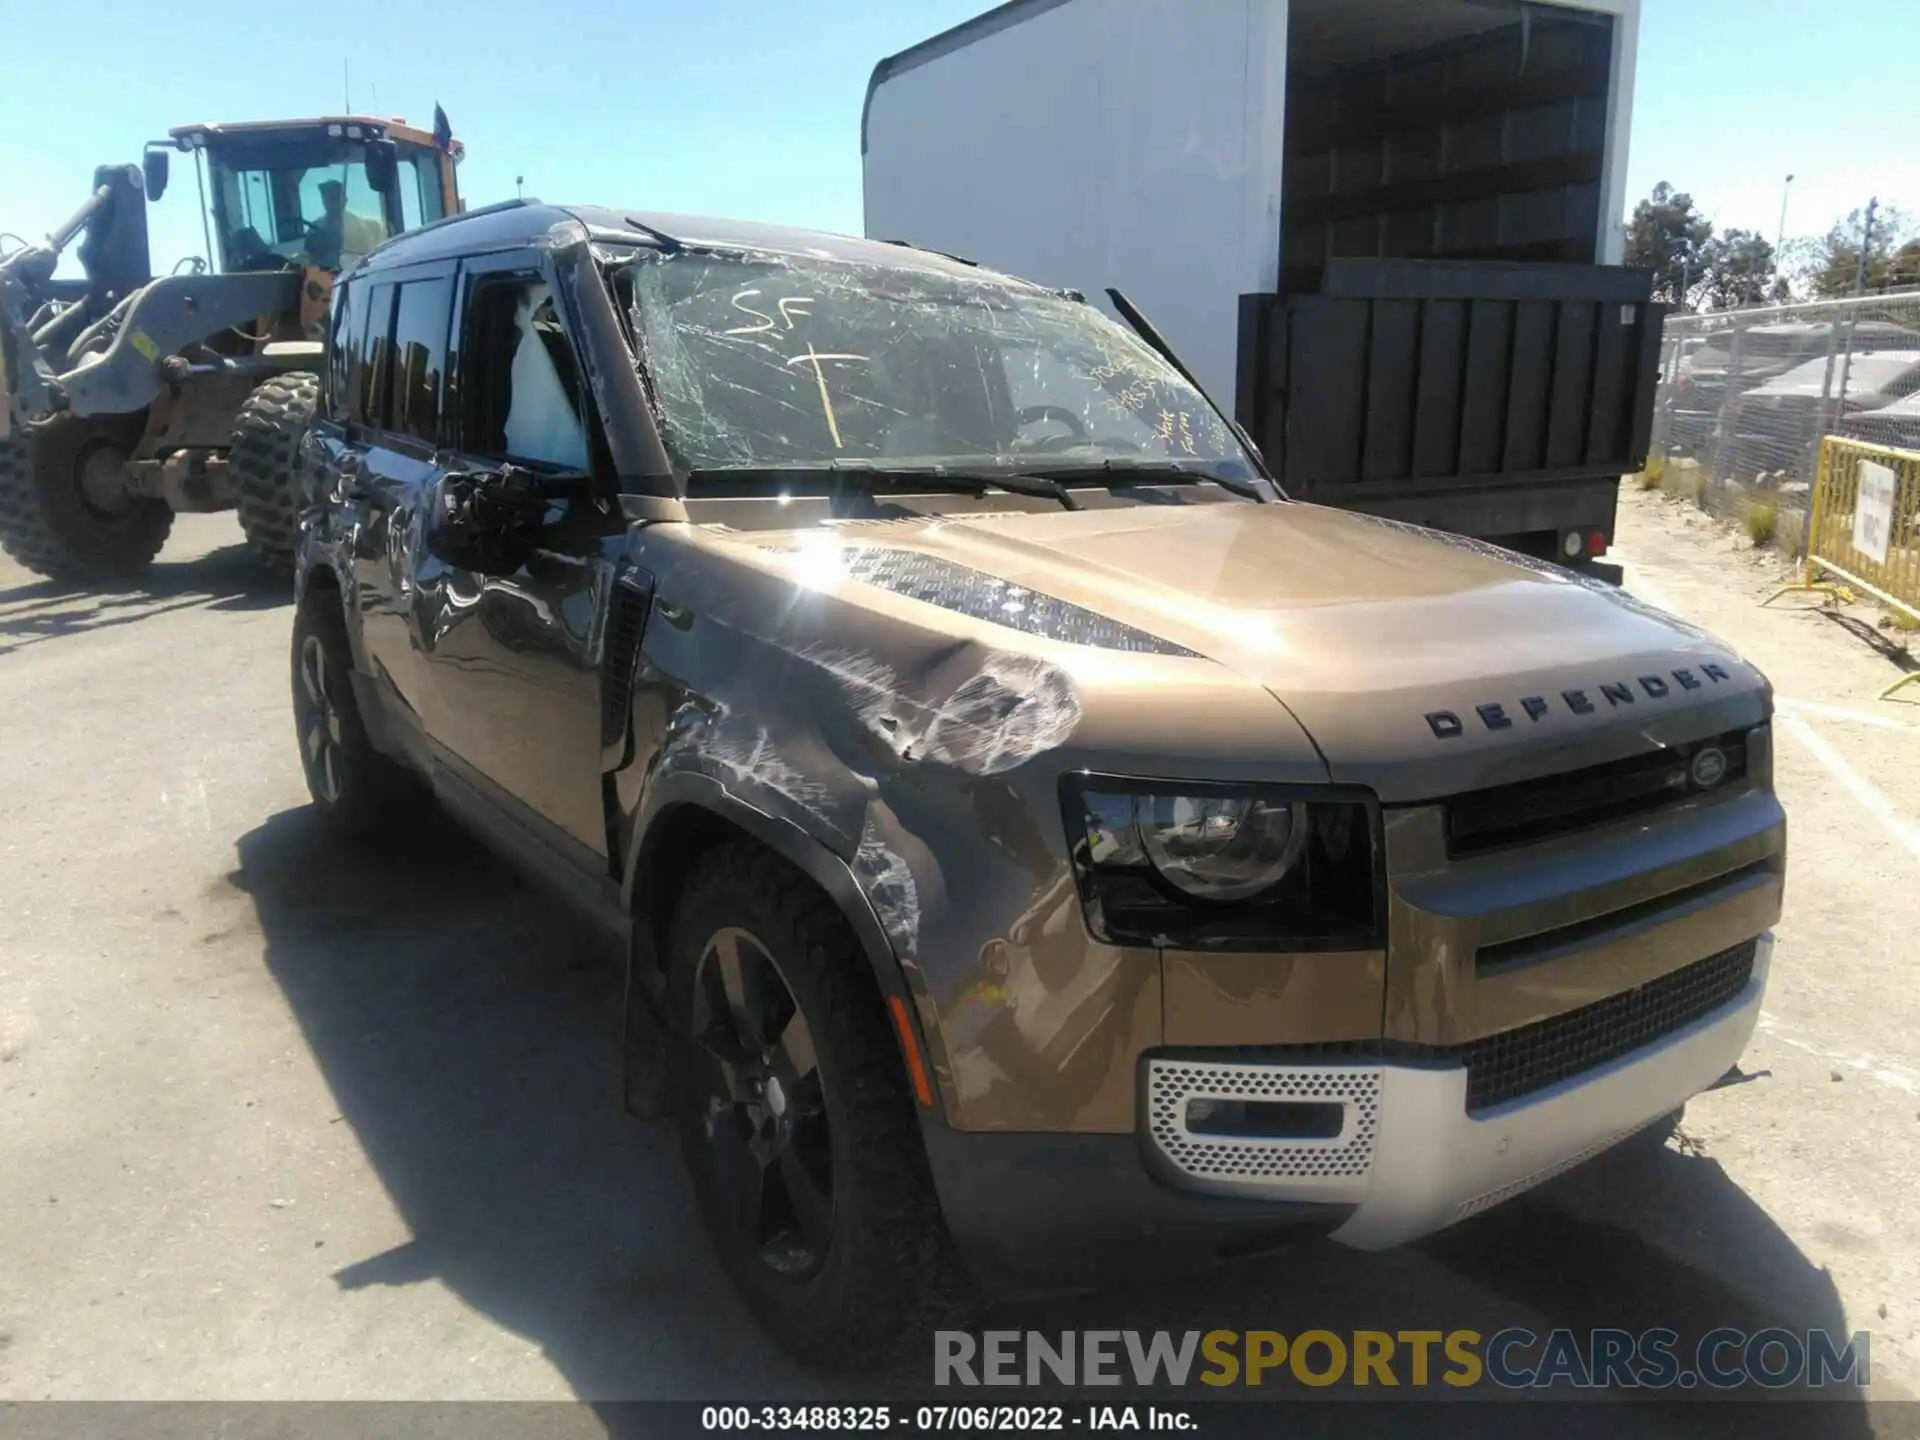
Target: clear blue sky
pixel 1734 95
pixel 751 107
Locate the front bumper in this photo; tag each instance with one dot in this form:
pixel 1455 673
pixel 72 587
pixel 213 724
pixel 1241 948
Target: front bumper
pixel 1409 1156
pixel 1076 1210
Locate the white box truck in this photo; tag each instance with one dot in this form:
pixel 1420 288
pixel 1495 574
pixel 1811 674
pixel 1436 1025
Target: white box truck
pixel 1384 233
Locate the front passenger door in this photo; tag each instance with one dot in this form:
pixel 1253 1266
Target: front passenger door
pixel 514 658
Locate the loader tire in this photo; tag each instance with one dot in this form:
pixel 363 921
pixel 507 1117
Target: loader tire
pixel 265 464
pixel 62 514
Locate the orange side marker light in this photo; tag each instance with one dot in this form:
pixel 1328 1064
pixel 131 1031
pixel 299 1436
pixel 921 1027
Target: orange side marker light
pixel 922 1091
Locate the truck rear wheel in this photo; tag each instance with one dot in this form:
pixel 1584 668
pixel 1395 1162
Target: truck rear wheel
pixel 265 463
pixel 794 1118
pixel 66 510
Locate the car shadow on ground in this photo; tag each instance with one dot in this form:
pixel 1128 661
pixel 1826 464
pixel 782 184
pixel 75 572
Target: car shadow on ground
pixel 230 578
pixel 470 1036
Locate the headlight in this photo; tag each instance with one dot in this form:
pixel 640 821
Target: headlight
pixel 1220 847
pixel 1203 866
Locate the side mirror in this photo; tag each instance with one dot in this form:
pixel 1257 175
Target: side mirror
pixel 489 521
pixel 383 164
pixel 154 163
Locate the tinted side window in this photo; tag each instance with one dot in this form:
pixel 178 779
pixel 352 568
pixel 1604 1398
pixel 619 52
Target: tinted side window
pixel 420 357
pixel 367 373
pixel 520 382
pixel 344 349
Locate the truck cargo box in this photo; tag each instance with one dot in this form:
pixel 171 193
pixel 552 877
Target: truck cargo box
pixel 1309 198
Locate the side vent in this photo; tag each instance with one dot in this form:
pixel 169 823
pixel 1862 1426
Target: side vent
pixel 626 624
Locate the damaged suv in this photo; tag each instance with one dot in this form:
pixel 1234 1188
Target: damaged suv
pixel 1036 840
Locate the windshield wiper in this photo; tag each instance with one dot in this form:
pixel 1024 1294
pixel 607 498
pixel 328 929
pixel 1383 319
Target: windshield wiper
pixel 944 478
pixel 1131 471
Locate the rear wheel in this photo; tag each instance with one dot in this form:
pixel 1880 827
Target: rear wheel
pixel 66 509
pixel 794 1122
pixel 353 785
pixel 265 463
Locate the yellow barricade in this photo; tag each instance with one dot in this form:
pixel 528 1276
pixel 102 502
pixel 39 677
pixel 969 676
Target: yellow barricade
pixel 1864 531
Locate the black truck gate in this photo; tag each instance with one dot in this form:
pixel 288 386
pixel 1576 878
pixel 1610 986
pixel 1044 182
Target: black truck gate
pixel 1502 400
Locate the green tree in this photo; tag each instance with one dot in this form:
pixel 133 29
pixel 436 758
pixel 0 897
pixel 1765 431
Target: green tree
pixel 1893 257
pixel 1737 268
pixel 1667 235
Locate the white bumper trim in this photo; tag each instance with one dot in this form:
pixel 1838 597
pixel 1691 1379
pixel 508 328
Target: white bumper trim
pixel 1422 1161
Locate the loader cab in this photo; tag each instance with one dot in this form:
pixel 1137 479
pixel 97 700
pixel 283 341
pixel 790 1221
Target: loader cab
pixel 316 194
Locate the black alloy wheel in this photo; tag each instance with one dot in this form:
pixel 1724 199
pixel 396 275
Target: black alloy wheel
pixel 762 1104
pixel 795 1116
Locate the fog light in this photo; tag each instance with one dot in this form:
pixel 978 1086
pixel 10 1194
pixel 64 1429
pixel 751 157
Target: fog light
pixel 1571 545
pixel 1267 1119
pixel 1597 543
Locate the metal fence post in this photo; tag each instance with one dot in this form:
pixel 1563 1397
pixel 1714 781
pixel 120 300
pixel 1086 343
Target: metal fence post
pixel 1725 446
pixel 1823 419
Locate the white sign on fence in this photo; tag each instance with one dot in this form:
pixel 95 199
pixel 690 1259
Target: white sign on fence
pixel 1873 512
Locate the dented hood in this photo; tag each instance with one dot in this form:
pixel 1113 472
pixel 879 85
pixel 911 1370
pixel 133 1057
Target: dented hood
pixel 1416 663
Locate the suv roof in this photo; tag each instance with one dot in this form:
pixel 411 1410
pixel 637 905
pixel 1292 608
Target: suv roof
pixel 514 223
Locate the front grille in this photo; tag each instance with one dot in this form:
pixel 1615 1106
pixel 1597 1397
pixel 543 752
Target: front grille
pixel 1518 1062
pixel 1506 1066
pixel 1534 810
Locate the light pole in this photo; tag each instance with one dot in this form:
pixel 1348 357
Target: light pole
pixel 518 181
pixel 1780 238
pixel 1866 246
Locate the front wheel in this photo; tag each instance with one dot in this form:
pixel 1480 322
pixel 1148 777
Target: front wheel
pixel 265 464
pixel 794 1121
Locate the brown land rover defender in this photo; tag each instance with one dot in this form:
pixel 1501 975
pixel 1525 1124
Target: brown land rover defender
pixel 1038 840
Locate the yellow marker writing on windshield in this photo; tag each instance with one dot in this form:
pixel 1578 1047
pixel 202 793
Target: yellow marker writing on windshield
pixel 813 357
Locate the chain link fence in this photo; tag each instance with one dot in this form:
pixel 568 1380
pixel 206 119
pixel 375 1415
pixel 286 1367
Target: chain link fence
pixel 1746 396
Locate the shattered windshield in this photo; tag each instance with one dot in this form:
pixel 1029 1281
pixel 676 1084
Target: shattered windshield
pixel 771 362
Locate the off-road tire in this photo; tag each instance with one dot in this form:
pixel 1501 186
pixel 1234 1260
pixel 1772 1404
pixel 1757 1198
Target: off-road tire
pixel 46 523
pixel 889 1271
pixel 265 465
pixel 367 788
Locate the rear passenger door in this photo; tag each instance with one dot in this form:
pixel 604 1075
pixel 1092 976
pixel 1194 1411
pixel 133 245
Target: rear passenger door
pixel 514 658
pixel 389 474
